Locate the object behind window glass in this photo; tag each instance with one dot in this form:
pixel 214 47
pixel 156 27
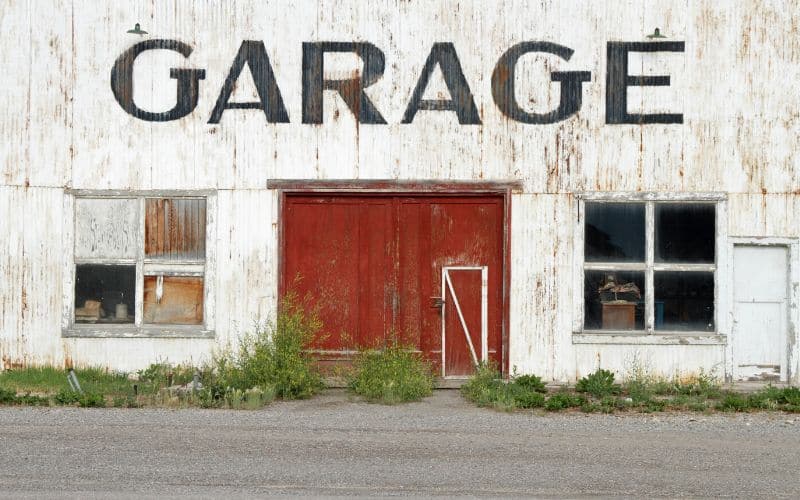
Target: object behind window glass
pixel 614 232
pixel 688 300
pixel 105 294
pixel 685 233
pixel 613 300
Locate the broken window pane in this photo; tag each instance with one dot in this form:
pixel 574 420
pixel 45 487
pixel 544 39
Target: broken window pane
pixel 105 294
pixel 173 300
pixel 106 229
pixel 684 233
pixel 175 229
pixel 684 301
pixel 613 300
pixel 614 232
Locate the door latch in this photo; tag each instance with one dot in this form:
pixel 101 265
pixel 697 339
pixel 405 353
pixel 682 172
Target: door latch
pixel 437 302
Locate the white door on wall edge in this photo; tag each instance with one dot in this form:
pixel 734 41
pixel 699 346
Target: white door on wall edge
pixel 760 312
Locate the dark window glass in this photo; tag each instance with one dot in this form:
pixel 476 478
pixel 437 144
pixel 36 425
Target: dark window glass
pixel 614 232
pixel 684 233
pixel 104 294
pixel 684 301
pixel 613 300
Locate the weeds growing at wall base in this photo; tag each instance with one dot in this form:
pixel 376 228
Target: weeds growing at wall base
pixel 598 392
pixel 391 375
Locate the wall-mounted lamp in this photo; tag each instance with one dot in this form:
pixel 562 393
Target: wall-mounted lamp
pixel 654 34
pixel 137 30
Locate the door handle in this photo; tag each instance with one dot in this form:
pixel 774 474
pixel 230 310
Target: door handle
pixel 437 302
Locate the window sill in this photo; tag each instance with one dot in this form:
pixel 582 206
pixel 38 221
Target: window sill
pixel 643 338
pixel 129 331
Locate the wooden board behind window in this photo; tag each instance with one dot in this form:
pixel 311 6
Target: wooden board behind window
pixel 181 301
pixel 175 229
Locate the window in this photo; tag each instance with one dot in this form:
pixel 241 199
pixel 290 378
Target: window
pixel 140 261
pixel 649 266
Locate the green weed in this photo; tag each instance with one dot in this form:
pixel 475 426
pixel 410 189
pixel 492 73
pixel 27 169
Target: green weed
pixel 563 400
pixel 394 374
pixel 599 384
pixel 733 402
pixel 274 356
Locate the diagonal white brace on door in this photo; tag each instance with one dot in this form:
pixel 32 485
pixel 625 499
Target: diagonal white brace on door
pixel 447 284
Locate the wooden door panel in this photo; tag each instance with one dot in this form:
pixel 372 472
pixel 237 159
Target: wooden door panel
pixel 336 255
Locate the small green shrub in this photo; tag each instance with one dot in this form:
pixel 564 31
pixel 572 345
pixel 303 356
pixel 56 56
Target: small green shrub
pixel 599 384
pixel 654 405
pixel 530 383
pixel 29 399
pixel 66 397
pixel 7 396
pixel 487 388
pixel 274 356
pixel 525 398
pixel 482 388
pixel 91 400
pixel 563 400
pixel 86 400
pixel 590 407
pixel 394 374
pixel 790 396
pixel 733 402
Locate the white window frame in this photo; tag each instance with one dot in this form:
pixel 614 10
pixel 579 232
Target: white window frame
pixel 144 266
pixel 649 335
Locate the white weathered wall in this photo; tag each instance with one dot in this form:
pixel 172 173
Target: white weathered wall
pixel 63 129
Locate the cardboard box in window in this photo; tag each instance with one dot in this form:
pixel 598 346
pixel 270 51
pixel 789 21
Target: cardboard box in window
pixel 619 315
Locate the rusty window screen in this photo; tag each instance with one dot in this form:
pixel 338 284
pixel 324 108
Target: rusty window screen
pixel 175 229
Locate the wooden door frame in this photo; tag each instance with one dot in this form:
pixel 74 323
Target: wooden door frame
pixel 790 366
pixel 503 189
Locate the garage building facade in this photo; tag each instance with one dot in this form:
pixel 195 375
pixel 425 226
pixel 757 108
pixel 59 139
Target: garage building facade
pixel 551 186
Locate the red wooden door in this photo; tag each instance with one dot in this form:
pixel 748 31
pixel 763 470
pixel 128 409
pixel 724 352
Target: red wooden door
pixel 373 265
pixel 436 232
pixel 337 253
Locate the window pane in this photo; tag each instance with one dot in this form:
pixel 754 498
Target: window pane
pixel 175 229
pixel 684 301
pixel 685 233
pixel 614 232
pixel 106 228
pixel 173 300
pixel 613 300
pixel 105 294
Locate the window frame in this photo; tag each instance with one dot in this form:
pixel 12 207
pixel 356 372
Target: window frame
pixel 649 335
pixel 145 266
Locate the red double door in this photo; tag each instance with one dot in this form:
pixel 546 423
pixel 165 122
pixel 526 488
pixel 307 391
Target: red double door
pixel 428 269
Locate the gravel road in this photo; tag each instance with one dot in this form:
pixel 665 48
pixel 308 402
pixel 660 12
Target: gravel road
pixel 333 445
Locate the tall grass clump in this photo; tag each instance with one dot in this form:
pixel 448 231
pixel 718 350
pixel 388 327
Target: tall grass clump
pixel 394 374
pixel 274 357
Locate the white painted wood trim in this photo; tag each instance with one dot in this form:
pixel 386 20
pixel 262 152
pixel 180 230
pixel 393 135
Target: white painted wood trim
pixel 150 331
pixel 634 196
pixel 662 338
